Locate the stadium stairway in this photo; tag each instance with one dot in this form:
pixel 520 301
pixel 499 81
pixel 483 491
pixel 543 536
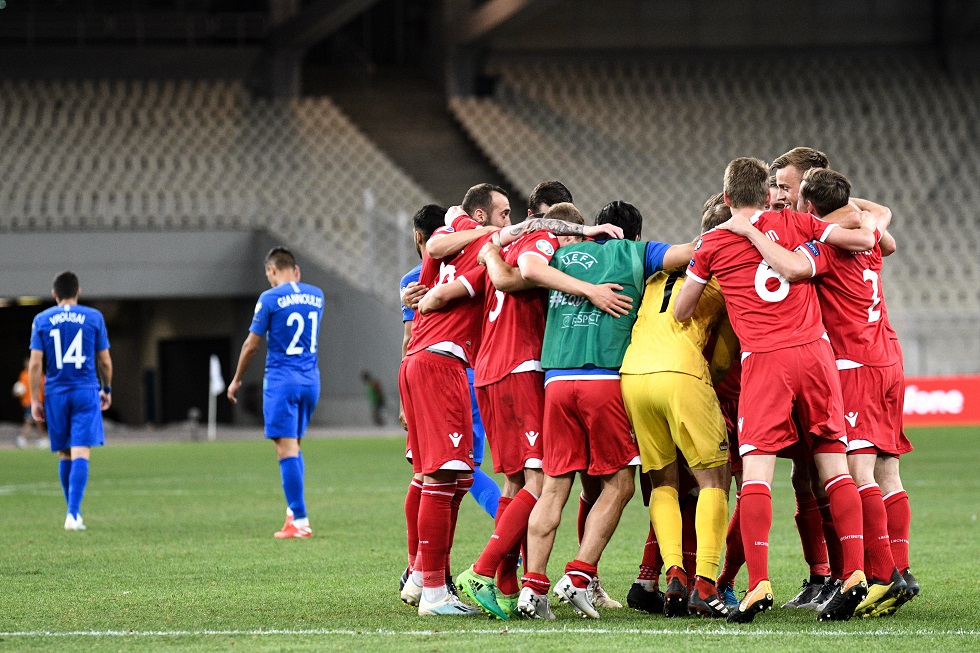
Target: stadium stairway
pixel 405 115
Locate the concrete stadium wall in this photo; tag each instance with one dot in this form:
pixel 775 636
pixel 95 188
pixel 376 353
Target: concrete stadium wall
pixel 577 25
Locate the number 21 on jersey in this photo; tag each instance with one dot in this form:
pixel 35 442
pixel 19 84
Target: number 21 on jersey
pixel 294 349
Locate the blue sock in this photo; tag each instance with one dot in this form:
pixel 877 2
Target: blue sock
pixel 485 491
pixel 302 464
pixel 291 470
pixel 64 470
pixel 77 481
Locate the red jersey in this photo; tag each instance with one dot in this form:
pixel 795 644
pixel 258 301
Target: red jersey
pixel 514 326
pixel 455 328
pixel 852 303
pixel 767 312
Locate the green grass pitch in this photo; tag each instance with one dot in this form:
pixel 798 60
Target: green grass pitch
pixel 179 555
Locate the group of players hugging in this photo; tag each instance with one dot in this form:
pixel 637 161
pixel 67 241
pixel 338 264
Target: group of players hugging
pixel 594 352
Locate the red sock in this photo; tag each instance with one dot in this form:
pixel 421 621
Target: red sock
pixel 463 486
pixel 508 534
pixel 756 521
pixel 583 514
pixel 412 499
pixel 834 553
pixel 652 562
pixel 845 504
pixel 507 569
pixel 538 583
pixel 580 573
pixel 689 538
pixel 502 504
pixel 899 519
pixel 734 551
pixel 435 514
pixel 809 524
pixel 876 544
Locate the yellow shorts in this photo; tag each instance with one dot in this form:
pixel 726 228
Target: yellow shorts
pixel 671 411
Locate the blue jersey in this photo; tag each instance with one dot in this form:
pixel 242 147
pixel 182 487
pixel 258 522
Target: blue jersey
pixel 408 315
pixel 288 317
pixel 70 336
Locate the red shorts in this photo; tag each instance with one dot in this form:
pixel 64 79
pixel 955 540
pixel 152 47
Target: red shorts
pixel 436 398
pixel 587 428
pixel 874 399
pixel 513 414
pixel 776 384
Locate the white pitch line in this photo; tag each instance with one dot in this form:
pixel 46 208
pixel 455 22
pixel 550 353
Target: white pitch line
pixel 733 632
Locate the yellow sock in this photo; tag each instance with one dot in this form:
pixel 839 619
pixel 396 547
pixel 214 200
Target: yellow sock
pixel 665 513
pixel 711 524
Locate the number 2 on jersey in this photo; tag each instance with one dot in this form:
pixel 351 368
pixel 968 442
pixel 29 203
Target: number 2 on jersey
pixel 874 314
pixel 74 353
pixel 295 318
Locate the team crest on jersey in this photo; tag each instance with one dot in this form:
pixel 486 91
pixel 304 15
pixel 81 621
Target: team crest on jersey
pixel 723 446
pixel 545 248
pixel 810 245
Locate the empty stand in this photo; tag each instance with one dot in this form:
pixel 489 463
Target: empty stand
pixel 659 134
pixel 194 156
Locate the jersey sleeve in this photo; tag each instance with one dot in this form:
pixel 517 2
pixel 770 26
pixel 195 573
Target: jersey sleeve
pixel 474 279
pixel 821 256
pixel 408 314
pixel 653 257
pixel 101 336
pixel 263 312
pixel 36 336
pixel 816 229
pixel 463 223
pixel 699 269
pixel 540 243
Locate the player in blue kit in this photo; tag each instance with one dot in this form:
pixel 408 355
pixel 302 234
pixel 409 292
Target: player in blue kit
pixel 73 342
pixel 289 317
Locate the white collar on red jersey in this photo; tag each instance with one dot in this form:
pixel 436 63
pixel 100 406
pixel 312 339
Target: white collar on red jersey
pixel 755 217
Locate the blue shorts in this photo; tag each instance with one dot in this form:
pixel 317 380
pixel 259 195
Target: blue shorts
pixel 74 418
pixel 287 409
pixel 479 433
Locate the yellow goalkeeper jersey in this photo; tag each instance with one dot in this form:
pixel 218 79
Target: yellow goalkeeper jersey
pixel 662 344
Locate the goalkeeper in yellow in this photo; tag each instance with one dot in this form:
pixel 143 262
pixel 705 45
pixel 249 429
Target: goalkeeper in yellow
pixel 671 403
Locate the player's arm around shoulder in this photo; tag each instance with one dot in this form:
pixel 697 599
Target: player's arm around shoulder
pixel 791 265
pixel 678 256
pixel 698 276
pixel 603 296
pixel 438 297
pixel 505 277
pixel 446 242
pixel 855 240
